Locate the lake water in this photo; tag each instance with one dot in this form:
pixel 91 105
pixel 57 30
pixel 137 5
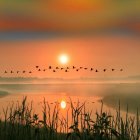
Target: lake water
pixel 89 93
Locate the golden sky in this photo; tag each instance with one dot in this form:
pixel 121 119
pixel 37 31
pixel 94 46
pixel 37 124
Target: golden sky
pixel 99 52
pixel 94 33
pixel 69 15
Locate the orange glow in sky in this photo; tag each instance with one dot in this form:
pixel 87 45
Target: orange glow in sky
pixel 60 33
pixel 63 58
pixel 98 52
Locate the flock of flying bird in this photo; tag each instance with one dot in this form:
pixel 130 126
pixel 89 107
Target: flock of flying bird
pixel 67 69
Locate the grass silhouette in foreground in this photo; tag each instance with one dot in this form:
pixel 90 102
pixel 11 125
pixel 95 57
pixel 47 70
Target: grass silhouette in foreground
pixel 21 123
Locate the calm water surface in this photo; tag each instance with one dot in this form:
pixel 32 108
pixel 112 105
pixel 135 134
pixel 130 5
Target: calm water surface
pixel 90 93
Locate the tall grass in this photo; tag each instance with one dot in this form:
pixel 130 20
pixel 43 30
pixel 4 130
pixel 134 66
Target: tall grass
pixel 19 122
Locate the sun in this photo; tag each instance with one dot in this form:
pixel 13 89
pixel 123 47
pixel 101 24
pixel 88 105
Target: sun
pixel 63 104
pixel 63 59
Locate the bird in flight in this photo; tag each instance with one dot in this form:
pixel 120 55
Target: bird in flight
pixel 37 67
pixel 54 71
pixel 50 67
pixel 104 70
pixel 113 69
pixel 85 68
pixel 12 71
pixel 96 70
pixel 17 72
pixel 121 69
pixel 74 67
pixel 5 72
pixel 91 69
pixel 24 71
pixel 66 71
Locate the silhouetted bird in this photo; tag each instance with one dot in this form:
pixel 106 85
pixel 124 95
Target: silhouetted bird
pixel 67 67
pixel 91 69
pixel 50 67
pixel 96 71
pixel 30 72
pixel 121 69
pixel 44 69
pixel 85 68
pixel 62 68
pixel 57 67
pixel 5 72
pixel 81 67
pixel 77 69
pixel 104 70
pixel 12 71
pixel 37 67
pixel 17 72
pixel 74 67
pixel 54 71
pixel 113 69
pixel 66 71
pixel 24 71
